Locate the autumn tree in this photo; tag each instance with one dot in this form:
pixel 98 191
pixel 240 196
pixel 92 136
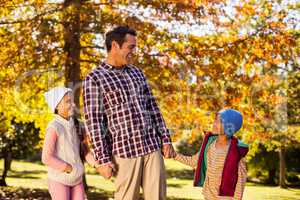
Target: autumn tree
pixel 199 57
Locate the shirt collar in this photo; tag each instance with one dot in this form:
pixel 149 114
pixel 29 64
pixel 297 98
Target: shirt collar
pixel 111 67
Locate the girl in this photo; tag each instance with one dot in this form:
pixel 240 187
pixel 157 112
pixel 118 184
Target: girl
pixel 219 165
pixel 61 150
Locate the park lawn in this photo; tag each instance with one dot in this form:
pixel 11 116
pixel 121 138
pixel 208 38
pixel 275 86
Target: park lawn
pixel 32 176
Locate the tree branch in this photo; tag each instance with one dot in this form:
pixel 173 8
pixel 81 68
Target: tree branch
pixel 89 61
pixel 32 19
pixel 93 47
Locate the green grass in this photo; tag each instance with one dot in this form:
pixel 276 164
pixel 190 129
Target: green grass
pixel 26 178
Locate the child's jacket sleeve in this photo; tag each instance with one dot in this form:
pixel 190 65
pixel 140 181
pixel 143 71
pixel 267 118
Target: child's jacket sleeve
pixel 188 160
pixel 242 178
pixel 48 154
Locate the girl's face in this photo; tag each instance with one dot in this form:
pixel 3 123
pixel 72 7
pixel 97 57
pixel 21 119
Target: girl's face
pixel 65 106
pixel 217 126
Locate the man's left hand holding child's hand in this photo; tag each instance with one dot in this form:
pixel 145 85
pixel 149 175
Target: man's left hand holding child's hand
pixel 168 151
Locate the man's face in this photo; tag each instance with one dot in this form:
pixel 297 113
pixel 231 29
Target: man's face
pixel 125 53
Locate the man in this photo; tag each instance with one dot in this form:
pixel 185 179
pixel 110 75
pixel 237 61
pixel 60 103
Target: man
pixel 124 122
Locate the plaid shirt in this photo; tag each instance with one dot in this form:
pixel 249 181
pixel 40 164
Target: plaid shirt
pixel 122 116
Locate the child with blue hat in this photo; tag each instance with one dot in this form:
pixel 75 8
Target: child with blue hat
pixel 219 165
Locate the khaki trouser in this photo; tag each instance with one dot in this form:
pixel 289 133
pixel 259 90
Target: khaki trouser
pixel 147 172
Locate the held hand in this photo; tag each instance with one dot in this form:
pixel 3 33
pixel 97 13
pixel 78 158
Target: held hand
pixel 68 168
pixel 168 151
pixel 106 170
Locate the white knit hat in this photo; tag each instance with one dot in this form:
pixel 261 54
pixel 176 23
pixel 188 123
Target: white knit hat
pixel 55 95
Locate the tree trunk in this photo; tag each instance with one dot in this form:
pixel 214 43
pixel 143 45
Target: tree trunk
pixel 282 168
pixel 7 165
pixel 72 50
pixel 271 176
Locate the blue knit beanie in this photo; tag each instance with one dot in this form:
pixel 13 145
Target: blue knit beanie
pixel 232 121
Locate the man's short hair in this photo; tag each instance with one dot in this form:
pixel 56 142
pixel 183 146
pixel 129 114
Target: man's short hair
pixel 118 34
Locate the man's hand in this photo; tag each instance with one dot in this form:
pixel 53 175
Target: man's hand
pixel 106 170
pixel 168 151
